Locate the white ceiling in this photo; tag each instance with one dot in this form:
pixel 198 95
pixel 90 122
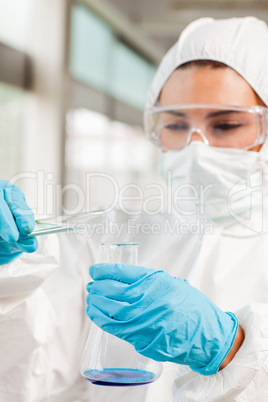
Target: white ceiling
pixel 163 20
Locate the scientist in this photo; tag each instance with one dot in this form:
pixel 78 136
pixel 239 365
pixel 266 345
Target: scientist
pixel 206 110
pixel 200 302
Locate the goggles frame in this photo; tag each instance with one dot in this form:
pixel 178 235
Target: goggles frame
pixel 260 111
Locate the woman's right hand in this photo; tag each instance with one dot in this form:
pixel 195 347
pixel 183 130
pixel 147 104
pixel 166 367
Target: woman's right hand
pixel 16 223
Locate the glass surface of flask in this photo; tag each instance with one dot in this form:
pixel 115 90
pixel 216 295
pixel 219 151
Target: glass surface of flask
pixel 111 361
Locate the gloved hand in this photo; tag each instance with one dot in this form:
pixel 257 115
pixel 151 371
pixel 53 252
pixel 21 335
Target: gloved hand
pixel 163 317
pixel 16 222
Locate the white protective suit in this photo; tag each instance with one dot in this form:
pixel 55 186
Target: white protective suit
pixel 43 326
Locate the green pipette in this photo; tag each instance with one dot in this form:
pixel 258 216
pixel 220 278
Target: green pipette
pixel 64 223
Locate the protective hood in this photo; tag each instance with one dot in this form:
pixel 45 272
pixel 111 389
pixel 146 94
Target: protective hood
pixel 240 43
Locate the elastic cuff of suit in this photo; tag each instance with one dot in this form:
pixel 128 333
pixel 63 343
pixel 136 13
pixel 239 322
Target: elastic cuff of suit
pixel 214 365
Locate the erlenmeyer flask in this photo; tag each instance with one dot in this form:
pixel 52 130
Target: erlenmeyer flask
pixel 108 360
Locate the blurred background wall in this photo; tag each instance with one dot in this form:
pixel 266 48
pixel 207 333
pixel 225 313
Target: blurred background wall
pixel 73 82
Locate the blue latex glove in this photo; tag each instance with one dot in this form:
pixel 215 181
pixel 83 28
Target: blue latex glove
pixel 16 222
pixel 165 318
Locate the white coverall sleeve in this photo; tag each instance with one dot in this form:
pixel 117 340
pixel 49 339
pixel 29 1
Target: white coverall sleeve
pixel 24 317
pixel 245 378
pixel 27 272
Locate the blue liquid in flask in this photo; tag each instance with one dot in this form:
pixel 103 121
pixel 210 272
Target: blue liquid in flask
pixel 121 377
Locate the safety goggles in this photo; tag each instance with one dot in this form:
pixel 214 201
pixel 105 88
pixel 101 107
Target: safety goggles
pixel 174 127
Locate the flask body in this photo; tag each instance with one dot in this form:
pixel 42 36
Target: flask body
pixel 111 361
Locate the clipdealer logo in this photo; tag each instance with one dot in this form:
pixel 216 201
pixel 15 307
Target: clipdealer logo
pixel 187 201
pixel 245 202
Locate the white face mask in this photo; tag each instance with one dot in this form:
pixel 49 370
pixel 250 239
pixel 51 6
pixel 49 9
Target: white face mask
pixel 214 183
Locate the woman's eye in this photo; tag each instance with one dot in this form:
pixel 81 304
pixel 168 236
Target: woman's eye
pixel 227 126
pixel 177 126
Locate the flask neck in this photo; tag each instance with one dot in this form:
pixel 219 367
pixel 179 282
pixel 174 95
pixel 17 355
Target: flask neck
pixel 121 253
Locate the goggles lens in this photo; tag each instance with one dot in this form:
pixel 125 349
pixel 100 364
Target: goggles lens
pixel 227 127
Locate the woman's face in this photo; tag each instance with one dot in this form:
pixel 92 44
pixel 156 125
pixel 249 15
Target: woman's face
pixel 196 84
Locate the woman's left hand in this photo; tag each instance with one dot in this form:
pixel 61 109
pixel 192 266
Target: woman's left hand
pixel 163 317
